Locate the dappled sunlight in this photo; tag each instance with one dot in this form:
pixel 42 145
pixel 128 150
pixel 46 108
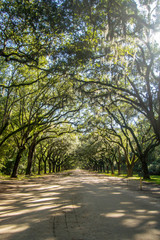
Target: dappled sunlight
pixel 105 188
pixel 43 199
pixel 113 215
pixel 52 193
pixel 151 223
pixel 76 207
pixel 31 205
pixel 15 213
pixel 116 193
pixel 13 228
pixel 140 210
pixel 143 197
pixel 126 203
pixel 43 207
pixel 32 185
pixel 132 223
pixel 4 208
pixel 117 187
pixel 145 216
pixel 49 187
pixel 68 207
pixel 153 212
pixel 120 211
pixel 148 235
pixel 9 201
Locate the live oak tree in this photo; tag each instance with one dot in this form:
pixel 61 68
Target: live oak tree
pixel 129 68
pixel 115 142
pixel 39 40
pixel 37 107
pixel 52 50
pixel 29 27
pixel 126 68
pixel 90 152
pixel 43 141
pixel 56 153
pixel 136 130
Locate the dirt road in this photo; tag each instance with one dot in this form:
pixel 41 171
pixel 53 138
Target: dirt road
pixel 77 206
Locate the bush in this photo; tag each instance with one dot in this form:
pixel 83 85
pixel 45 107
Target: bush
pixel 154 169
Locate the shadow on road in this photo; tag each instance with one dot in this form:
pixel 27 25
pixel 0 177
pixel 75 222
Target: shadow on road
pixel 80 206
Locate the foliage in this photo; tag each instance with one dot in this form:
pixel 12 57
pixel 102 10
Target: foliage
pixel 79 84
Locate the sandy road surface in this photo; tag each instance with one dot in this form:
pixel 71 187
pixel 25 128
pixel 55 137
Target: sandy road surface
pixel 77 206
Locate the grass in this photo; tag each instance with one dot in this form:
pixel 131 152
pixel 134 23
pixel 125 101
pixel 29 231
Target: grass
pixel 21 177
pixel 154 178
pixel 32 176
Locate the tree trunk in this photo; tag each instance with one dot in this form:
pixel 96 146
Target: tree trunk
pixel 119 168
pixel 34 163
pixel 130 170
pixel 112 167
pixel 104 168
pixel 145 168
pixel 30 157
pixel 49 166
pixel 45 167
pixel 16 164
pixel 53 167
pixel 99 168
pixel 58 168
pixel 107 169
pixel 119 161
pixel 39 166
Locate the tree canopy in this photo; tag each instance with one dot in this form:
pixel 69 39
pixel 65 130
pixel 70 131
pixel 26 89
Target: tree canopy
pixel 79 84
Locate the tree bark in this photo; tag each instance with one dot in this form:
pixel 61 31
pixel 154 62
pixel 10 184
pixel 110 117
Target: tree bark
pixel 119 161
pixel 119 168
pixel 17 161
pixel 30 157
pixel 112 167
pixel 39 166
pixel 53 167
pixel 45 167
pixel 130 170
pixel 49 166
pixel 144 168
